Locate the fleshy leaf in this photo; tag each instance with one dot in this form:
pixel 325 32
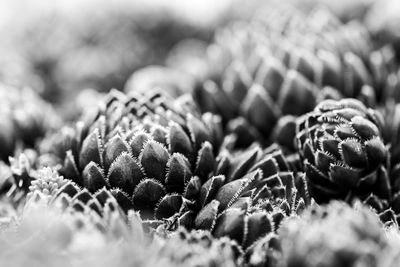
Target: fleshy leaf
pixel 93 177
pixel 154 158
pixel 91 150
pixel 125 173
pixel 178 174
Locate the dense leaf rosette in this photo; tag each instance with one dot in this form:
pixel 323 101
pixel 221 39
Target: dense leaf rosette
pixel 343 151
pixel 150 149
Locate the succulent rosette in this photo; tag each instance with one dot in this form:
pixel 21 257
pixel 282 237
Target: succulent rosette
pixel 16 177
pixel 152 151
pixel 343 151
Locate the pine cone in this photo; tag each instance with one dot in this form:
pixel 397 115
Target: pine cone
pixel 343 151
pixel 153 150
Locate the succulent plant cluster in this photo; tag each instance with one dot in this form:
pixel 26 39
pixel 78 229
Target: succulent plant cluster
pixel 278 146
pixel 161 157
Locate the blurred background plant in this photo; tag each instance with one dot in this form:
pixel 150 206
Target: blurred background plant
pixel 249 203
pixel 61 47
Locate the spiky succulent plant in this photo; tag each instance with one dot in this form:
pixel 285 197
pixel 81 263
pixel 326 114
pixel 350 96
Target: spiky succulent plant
pixel 154 151
pixel 25 118
pixel 343 151
pixel 283 63
pixel 159 158
pixel 16 177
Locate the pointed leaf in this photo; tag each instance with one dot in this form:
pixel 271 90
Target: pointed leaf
pixel 207 216
pixel 344 176
pixel 178 174
pixel 137 143
pixel 154 158
pixel 353 153
pixel 123 200
pixel 231 223
pixel 159 134
pixel 168 206
pixel 146 196
pixel 91 150
pixel 125 173
pixel 198 131
pixel 179 141
pixel 192 189
pixel 205 163
pixel 210 189
pixel 112 149
pixel 93 177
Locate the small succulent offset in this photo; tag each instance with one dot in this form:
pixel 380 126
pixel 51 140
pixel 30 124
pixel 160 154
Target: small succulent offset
pixel 25 118
pixel 153 152
pixel 343 151
pixel 17 176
